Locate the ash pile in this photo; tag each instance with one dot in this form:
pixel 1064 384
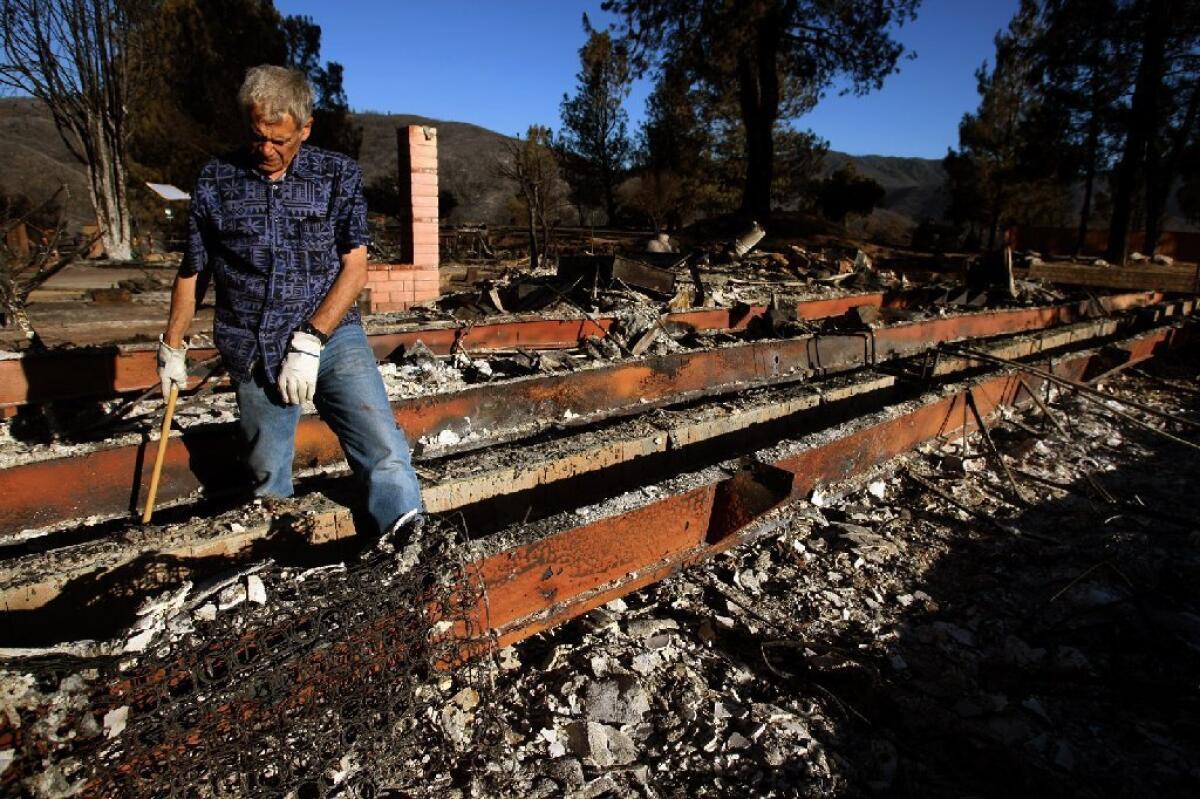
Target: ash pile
pixel 275 682
pixel 932 629
pixel 921 632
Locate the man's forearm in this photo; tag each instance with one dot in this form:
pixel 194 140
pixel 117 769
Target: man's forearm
pixel 344 292
pixel 183 308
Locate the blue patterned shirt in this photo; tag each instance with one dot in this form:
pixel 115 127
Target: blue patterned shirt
pixel 274 248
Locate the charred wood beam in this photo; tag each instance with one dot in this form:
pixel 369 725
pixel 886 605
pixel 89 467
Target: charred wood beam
pixel 104 372
pixel 108 482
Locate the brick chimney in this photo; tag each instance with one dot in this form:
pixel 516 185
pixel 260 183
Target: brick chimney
pixel 396 286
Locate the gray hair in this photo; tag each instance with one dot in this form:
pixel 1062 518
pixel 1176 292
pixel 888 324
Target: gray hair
pixel 277 91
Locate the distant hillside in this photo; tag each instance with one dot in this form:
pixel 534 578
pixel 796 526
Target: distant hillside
pixel 37 161
pixel 468 156
pixel 915 186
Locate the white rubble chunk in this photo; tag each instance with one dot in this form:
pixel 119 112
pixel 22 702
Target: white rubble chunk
pixel 115 720
pixel 601 745
pixel 231 596
pixel 256 591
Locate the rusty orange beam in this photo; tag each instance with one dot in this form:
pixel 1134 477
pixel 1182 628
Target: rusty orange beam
pixel 534 587
pixel 104 372
pixel 108 482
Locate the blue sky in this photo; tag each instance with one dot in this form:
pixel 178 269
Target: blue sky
pixel 505 65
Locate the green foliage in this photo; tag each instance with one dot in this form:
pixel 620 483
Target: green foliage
pixel 846 192
pixel 594 137
pixel 1003 173
pixel 1081 90
pixel 1164 114
pixel 199 51
pixel 801 156
pixel 1084 67
pixel 699 149
pixel 765 62
pixel 673 136
pixel 673 149
pixel 333 128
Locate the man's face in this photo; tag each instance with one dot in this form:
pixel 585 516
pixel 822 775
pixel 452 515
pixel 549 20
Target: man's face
pixel 274 144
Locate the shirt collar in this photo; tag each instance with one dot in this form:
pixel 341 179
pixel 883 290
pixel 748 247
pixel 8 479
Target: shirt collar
pixel 299 167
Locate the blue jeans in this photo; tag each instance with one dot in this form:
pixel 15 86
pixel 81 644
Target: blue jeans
pixel 352 400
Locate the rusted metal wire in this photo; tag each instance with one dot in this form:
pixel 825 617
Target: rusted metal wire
pixel 987 437
pixel 334 685
pixel 1082 388
pixel 1043 407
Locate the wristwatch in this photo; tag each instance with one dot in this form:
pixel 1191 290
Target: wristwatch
pixel 307 327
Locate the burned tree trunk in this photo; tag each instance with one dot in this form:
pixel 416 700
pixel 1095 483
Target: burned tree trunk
pixel 1143 125
pixel 533 236
pixel 75 56
pixel 758 98
pixel 106 185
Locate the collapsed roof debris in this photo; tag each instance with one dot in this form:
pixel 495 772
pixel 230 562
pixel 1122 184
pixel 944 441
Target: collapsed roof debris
pixel 656 445
pixel 873 636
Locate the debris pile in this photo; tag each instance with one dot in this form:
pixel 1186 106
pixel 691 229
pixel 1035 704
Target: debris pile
pixel 881 639
pixel 324 681
pixel 1009 612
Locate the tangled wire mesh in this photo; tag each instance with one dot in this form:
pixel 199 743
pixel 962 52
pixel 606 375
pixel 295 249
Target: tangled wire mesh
pixel 346 681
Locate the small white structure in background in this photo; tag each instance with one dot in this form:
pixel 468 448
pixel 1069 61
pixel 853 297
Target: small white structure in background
pixel 168 192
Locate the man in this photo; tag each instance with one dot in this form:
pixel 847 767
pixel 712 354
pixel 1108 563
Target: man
pixel 282 227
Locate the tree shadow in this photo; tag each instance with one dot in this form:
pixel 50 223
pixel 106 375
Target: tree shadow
pixel 1026 668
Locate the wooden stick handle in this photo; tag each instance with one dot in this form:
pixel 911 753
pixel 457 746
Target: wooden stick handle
pixel 163 440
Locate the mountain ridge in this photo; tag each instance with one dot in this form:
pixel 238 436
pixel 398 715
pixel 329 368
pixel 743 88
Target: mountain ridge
pixel 468 155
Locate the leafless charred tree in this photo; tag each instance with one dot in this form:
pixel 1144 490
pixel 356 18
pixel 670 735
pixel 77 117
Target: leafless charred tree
pixel 24 269
pixel 530 164
pixel 76 56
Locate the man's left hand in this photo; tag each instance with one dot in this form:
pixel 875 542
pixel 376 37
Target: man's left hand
pixel 298 375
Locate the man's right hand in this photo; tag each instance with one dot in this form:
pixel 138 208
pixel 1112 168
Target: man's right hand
pixel 172 366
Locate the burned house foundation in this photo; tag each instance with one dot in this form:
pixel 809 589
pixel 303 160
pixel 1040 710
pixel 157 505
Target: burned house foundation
pixel 669 551
pixel 251 650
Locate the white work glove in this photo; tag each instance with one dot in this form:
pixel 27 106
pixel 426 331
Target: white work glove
pixel 172 366
pixel 298 374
